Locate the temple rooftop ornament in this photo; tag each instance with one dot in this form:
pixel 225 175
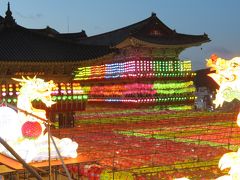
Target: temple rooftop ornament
pixel 9 20
pixel 154 14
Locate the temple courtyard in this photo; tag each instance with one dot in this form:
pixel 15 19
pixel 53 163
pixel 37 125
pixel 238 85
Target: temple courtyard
pixel 123 143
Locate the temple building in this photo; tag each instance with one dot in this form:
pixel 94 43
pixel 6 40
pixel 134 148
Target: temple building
pixel 146 71
pixel 137 65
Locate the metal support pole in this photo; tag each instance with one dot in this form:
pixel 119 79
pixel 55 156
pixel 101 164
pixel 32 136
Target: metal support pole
pixel 11 150
pixel 49 152
pixel 60 157
pixel 47 124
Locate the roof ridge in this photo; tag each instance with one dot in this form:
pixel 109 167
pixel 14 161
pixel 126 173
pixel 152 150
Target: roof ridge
pixel 126 27
pixel 56 39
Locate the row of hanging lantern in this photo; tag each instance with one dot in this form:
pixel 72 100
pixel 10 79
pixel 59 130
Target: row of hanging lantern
pixel 166 100
pixel 138 68
pixel 66 95
pixel 159 91
pixel 73 88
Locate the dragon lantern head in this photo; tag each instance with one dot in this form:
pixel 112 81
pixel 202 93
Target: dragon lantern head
pixel 225 70
pixel 36 88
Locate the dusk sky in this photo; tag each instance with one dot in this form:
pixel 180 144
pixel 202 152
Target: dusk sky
pixel 217 18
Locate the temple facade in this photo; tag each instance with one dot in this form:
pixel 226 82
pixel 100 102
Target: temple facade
pixel 137 65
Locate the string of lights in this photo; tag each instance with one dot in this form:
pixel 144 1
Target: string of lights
pixel 137 69
pixel 62 92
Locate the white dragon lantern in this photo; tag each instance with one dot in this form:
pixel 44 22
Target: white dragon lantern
pixel 24 132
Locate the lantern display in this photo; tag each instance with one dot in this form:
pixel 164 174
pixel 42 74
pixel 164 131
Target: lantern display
pixel 136 69
pixel 139 80
pixel 67 93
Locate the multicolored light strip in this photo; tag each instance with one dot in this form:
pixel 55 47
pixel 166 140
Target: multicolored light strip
pixel 146 100
pixel 146 79
pixel 158 92
pixel 63 92
pixel 136 69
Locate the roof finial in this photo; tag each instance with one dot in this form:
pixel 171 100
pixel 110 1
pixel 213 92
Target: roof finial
pixel 154 14
pixel 9 21
pixel 8 12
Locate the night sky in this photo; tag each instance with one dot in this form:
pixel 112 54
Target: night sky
pixel 217 18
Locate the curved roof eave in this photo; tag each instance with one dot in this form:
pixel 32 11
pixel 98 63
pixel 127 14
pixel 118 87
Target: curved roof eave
pixel 133 41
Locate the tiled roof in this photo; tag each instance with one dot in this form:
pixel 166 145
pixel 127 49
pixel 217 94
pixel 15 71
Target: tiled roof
pixel 44 45
pixel 47 31
pixel 75 37
pixel 21 44
pixel 150 30
pixel 176 39
pixel 1 19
